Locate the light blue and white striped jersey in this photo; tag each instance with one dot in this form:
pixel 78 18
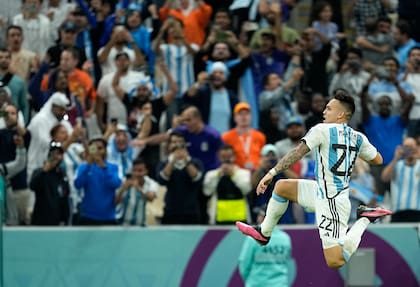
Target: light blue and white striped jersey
pixel 336 148
pixel 134 203
pixel 180 65
pixel 405 186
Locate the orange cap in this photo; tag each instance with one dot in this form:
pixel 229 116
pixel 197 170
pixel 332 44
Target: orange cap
pixel 241 106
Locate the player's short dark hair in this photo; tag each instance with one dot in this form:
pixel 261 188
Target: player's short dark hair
pixel 345 99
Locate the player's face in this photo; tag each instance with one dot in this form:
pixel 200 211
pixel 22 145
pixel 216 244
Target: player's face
pixel 333 112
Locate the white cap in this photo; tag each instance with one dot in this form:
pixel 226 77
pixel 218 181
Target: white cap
pixel 60 99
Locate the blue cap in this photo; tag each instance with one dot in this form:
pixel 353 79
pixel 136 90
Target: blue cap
pixel 294 120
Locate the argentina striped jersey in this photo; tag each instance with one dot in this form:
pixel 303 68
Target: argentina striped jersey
pixel 405 186
pixel 336 148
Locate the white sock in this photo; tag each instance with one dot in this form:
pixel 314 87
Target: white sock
pixel 354 235
pixel 275 210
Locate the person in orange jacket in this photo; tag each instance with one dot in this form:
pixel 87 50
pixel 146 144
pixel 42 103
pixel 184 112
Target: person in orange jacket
pixel 194 16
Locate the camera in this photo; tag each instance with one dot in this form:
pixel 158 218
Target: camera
pixel 128 175
pixel 4 114
pixel 93 149
pixel 382 73
pixel 354 65
pixel 180 146
pixel 221 36
pixel 114 121
pixel 227 161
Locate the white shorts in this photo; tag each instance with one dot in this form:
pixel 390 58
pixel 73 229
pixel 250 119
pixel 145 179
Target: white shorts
pixel 332 215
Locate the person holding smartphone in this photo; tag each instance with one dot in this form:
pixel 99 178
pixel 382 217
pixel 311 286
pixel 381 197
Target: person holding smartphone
pixel 99 180
pixel 137 189
pixel 51 189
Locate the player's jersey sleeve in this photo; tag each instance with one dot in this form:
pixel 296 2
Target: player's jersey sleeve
pixel 314 137
pixel 367 150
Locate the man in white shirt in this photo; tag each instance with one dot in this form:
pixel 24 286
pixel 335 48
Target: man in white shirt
pixel 115 85
pixel 412 77
pixel 118 43
pixel 36 27
pixel 40 126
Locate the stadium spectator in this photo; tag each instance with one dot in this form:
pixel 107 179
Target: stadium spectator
pixel 315 116
pixel 245 141
pixel 119 151
pixel 37 28
pixel 51 114
pixel 142 36
pixel 136 190
pixel 364 11
pixel 278 92
pixel 52 190
pixel 16 85
pixel 7 171
pixel 57 11
pixel 182 175
pixel 287 35
pixel 194 15
pixel 269 59
pixel 224 47
pixel 68 34
pixel 23 62
pixel 214 99
pixel 178 55
pixel 79 82
pixel 21 197
pixel 377 43
pixel 325 29
pixel 112 89
pixel 99 180
pixel 404 42
pixel 352 77
pixel 388 84
pixel 227 186
pixel 412 77
pixel 401 172
pixel 119 43
pixel 74 145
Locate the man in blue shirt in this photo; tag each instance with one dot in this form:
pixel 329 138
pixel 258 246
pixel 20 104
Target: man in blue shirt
pixel 99 180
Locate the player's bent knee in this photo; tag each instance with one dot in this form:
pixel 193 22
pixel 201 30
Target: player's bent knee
pixel 335 263
pixel 333 256
pixel 286 188
pixel 279 188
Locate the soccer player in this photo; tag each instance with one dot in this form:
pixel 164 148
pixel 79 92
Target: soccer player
pixel 337 146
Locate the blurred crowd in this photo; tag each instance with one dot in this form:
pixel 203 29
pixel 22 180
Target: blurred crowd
pixel 109 105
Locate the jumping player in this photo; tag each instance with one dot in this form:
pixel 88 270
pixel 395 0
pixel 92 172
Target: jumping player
pixel 337 146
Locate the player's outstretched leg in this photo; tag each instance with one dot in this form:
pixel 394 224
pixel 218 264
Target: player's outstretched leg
pixel 366 215
pixel 276 207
